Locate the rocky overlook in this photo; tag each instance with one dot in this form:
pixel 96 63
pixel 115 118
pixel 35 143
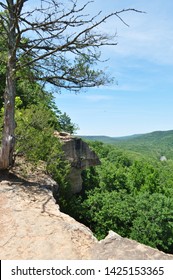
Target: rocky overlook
pixel 32 227
pixel 80 157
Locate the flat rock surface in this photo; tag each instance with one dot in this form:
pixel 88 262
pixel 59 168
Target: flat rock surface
pixel 32 227
pixel 115 247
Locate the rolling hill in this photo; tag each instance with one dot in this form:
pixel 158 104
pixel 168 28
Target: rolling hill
pixel 154 144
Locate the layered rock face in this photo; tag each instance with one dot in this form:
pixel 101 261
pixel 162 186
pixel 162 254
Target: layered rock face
pixel 33 228
pixel 80 156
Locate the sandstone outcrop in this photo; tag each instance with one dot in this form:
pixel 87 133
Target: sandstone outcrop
pixel 32 227
pixel 80 157
pixel 115 247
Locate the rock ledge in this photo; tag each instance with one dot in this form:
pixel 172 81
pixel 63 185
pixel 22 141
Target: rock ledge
pixel 32 227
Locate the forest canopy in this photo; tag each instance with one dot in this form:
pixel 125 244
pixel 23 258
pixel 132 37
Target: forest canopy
pixel 131 195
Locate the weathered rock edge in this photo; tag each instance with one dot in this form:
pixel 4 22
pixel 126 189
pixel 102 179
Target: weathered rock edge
pixel 78 153
pixel 32 227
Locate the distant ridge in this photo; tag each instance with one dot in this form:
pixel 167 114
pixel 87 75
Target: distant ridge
pixel 106 139
pixel 154 144
pixel 102 138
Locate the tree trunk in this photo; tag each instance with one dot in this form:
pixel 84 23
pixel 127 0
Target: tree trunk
pixel 8 138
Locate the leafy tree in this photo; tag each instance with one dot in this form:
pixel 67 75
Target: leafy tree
pixel 143 176
pixel 90 177
pixel 61 42
pixel 106 211
pixel 66 124
pixel 36 142
pixel 133 198
pixel 34 131
pixel 153 224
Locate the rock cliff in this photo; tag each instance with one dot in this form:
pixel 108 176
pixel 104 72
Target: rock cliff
pixel 32 227
pixel 80 156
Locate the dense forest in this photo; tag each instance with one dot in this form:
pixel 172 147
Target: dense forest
pixel 156 144
pixel 130 193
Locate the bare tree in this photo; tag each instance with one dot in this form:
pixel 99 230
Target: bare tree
pixel 60 42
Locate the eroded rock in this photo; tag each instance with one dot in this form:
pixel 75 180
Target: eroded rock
pixel 32 227
pixel 115 247
pixel 80 156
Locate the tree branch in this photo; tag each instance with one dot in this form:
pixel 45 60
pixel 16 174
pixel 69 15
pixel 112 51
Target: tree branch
pixel 58 30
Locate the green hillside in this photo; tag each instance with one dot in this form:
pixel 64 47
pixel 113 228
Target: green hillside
pixel 154 144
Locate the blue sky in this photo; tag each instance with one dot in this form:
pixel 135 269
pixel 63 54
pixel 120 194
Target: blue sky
pixel 142 64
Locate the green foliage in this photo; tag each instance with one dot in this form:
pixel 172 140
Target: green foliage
pixel 30 92
pixel 132 197
pixel 37 117
pixel 143 176
pixel 149 145
pixel 36 141
pixel 59 170
pixel 111 177
pixel 34 133
pixel 153 224
pixel 66 124
pixel 106 211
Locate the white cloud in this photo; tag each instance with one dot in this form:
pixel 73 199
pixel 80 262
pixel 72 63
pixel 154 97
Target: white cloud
pixel 154 45
pixel 150 35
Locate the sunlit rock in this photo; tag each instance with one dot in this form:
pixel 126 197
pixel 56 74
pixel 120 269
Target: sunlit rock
pixel 80 156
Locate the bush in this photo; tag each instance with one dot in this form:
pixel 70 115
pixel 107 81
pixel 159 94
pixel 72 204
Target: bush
pixel 36 141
